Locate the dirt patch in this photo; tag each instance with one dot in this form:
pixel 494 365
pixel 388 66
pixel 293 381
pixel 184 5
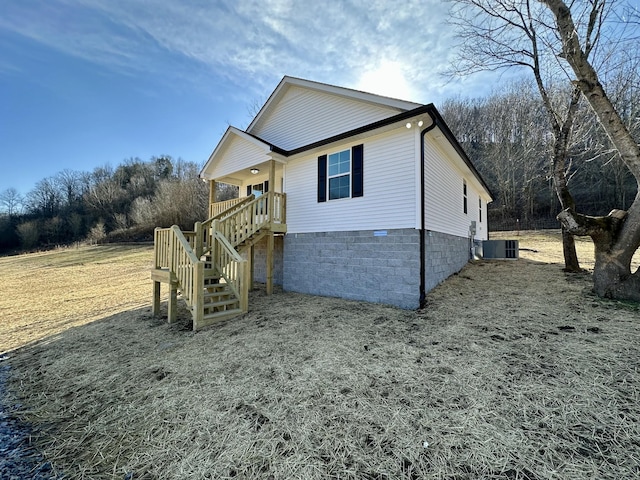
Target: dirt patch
pixel 513 370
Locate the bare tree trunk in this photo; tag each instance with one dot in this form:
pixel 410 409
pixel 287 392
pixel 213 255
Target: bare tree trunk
pixel 617 236
pixel 571 263
pixel 562 133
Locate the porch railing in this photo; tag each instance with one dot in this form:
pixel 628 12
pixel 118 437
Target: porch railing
pixel 241 220
pixel 217 208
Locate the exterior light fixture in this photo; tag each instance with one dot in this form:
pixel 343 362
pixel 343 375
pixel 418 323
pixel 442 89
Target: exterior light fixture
pixel 419 123
pixel 254 171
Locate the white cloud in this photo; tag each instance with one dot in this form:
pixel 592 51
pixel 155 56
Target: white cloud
pixel 397 49
pixel 387 78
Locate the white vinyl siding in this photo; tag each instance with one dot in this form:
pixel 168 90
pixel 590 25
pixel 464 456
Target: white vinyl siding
pixel 444 195
pixel 240 154
pixel 389 189
pixel 305 116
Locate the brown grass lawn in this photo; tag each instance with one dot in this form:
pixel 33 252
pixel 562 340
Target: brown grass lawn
pixel 514 370
pixel 46 293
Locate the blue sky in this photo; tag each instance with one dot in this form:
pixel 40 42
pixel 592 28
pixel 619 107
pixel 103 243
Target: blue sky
pixel 84 83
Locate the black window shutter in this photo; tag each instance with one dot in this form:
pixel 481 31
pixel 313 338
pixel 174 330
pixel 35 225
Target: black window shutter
pixel 356 171
pixel 322 178
pixel 266 186
pixel 248 190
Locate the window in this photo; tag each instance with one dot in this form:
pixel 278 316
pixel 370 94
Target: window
pixel 340 174
pixel 479 210
pixel 464 196
pixel 258 189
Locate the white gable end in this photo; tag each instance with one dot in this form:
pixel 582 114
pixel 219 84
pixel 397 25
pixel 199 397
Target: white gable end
pixel 444 195
pixel 304 116
pixel 237 155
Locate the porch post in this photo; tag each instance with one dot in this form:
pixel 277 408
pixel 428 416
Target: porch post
pixel 270 247
pixel 172 307
pixel 212 196
pixel 212 191
pixel 251 258
pixel 272 188
pixel 155 308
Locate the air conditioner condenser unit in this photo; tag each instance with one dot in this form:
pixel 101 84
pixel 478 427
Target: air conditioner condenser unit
pixel 501 249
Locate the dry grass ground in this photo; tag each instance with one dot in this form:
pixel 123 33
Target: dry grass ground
pixel 514 370
pixel 545 246
pixel 46 293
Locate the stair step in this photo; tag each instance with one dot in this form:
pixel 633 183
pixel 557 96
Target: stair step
pixel 222 315
pixel 215 287
pixel 221 303
pixel 219 293
pixel 212 318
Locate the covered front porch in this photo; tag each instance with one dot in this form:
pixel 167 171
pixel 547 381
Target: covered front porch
pixel 213 265
pixel 260 184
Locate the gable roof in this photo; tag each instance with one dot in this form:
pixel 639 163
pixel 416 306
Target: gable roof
pixel 406 111
pixel 288 82
pixel 230 132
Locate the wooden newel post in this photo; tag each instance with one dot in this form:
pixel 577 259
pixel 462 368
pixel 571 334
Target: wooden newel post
pixel 244 291
pixel 172 307
pixel 198 294
pixel 197 228
pixel 284 209
pixel 214 244
pixel 155 302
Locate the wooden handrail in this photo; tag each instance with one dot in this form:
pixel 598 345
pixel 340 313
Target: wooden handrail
pixel 241 220
pixel 203 231
pixel 230 265
pixel 188 269
pixel 221 208
pixel 232 252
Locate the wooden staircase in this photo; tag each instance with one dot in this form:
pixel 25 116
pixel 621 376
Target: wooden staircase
pixel 206 265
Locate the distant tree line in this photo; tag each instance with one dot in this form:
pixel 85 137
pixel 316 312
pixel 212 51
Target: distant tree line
pixel 508 137
pixel 506 134
pixel 124 203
